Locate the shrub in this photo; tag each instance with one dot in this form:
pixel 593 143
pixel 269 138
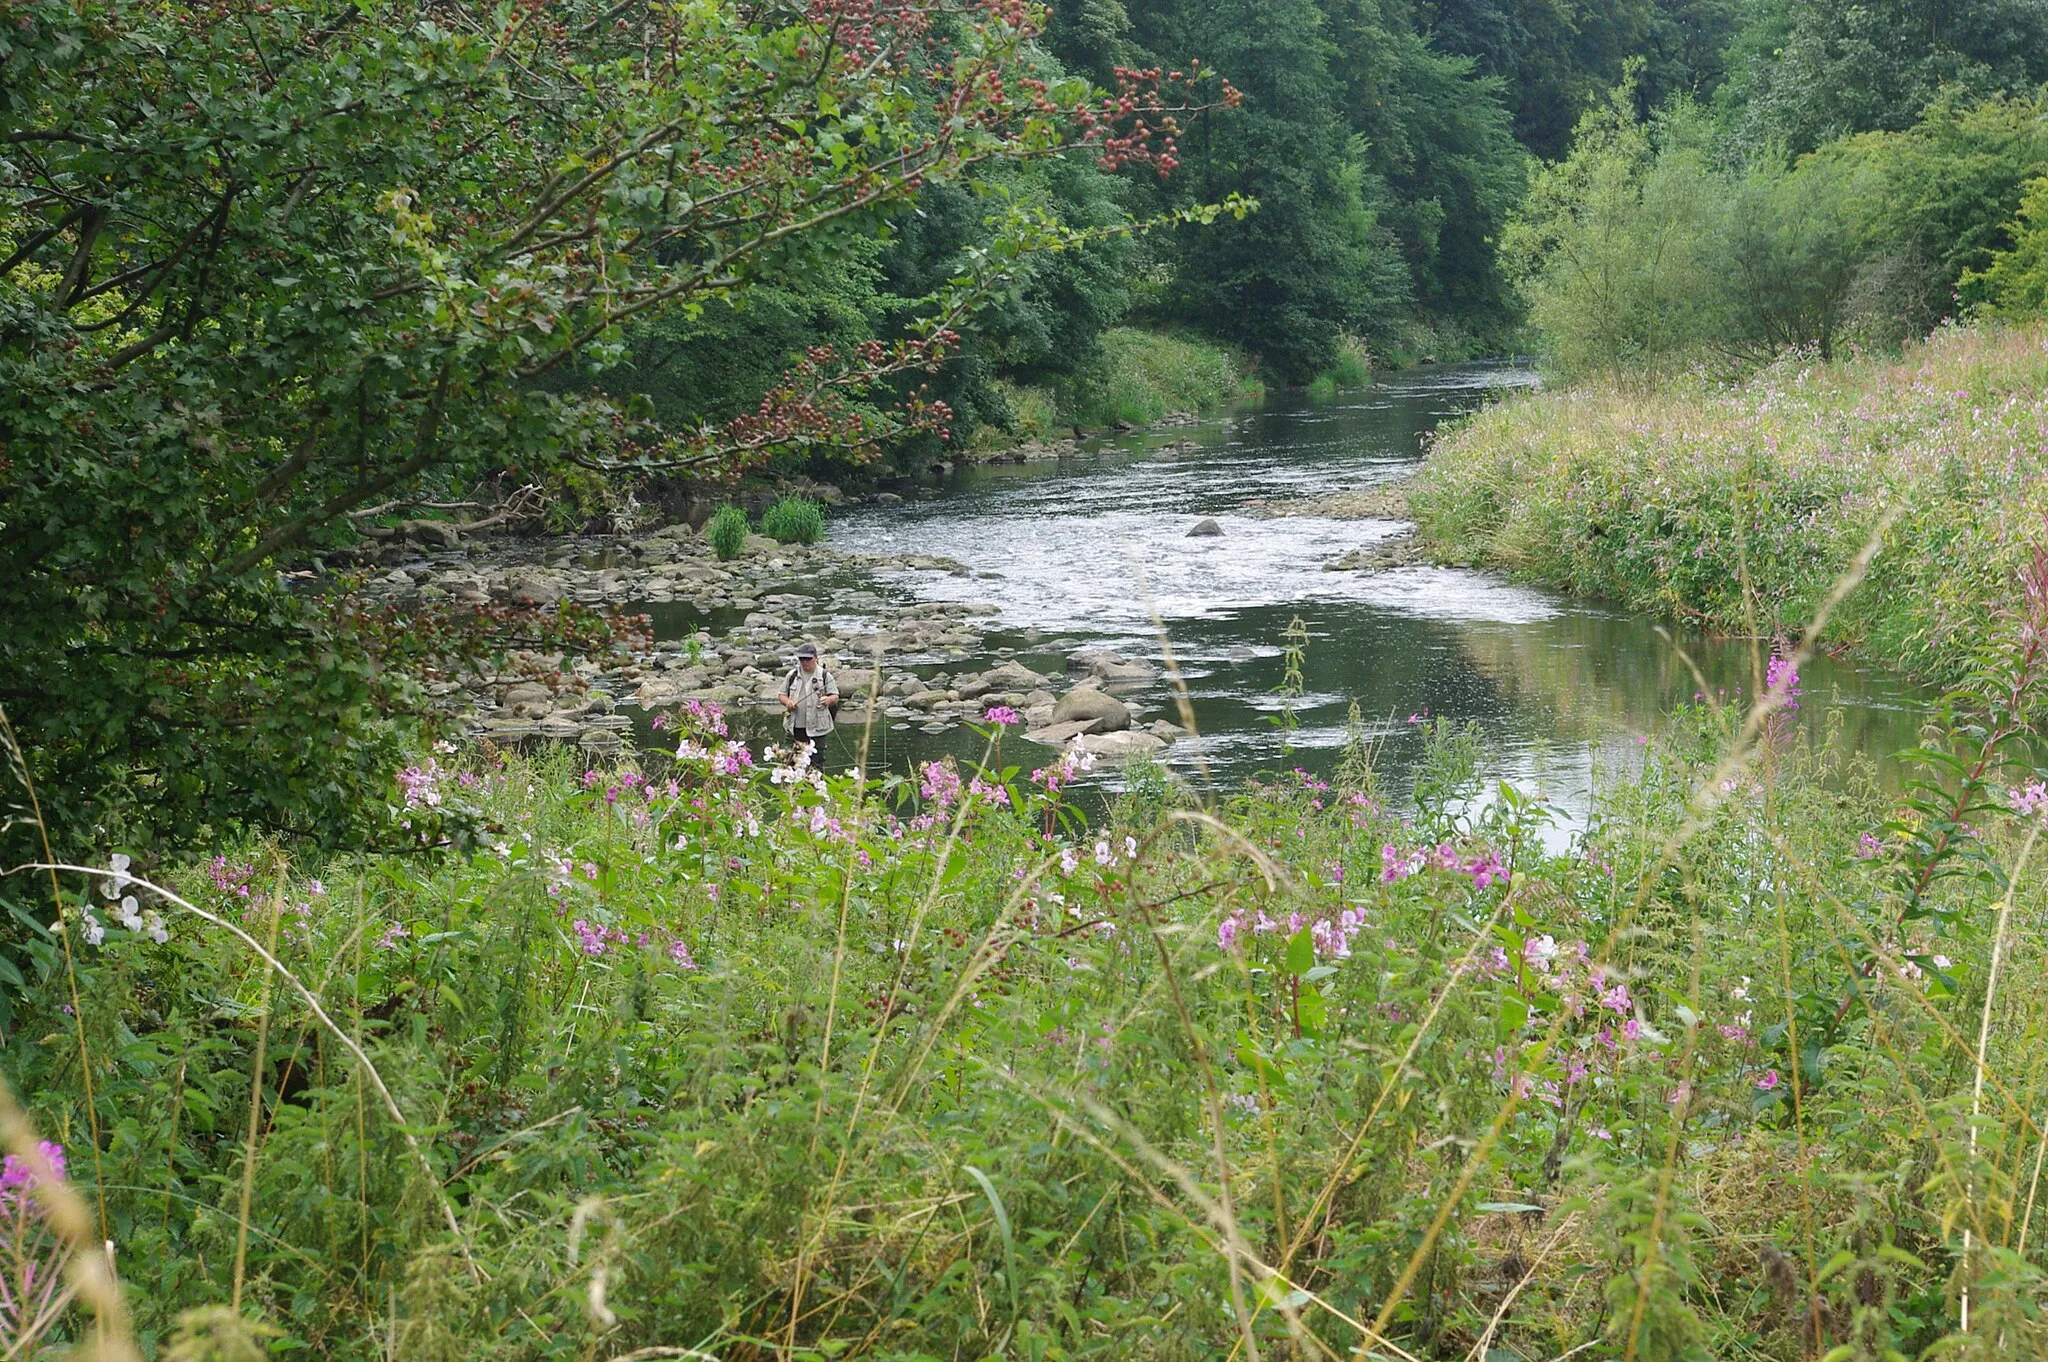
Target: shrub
pixel 1141 376
pixel 1351 369
pixel 727 533
pixel 794 520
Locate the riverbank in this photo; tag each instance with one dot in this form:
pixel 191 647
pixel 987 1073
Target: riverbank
pixel 1665 500
pixel 682 1056
pixel 732 626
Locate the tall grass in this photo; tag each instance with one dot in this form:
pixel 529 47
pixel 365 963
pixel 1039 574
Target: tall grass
pixel 1144 375
pixel 717 1058
pixel 1673 499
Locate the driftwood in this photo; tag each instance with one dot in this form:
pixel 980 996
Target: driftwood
pixel 524 503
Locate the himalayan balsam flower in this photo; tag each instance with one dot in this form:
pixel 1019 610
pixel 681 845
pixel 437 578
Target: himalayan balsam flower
pixel 1004 715
pixel 1767 1080
pixel 1868 847
pixel 680 953
pixel 2031 802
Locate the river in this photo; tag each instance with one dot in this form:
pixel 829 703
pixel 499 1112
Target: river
pixel 1095 550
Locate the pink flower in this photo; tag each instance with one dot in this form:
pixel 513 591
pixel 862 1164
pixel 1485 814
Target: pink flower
pixel 1868 847
pixel 1781 677
pixel 1767 1080
pixel 1616 999
pixel 680 953
pixel 1004 715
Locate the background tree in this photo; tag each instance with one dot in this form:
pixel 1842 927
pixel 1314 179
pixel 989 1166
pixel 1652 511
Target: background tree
pixel 262 268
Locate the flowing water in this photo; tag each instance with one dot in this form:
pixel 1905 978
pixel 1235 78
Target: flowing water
pixel 1095 551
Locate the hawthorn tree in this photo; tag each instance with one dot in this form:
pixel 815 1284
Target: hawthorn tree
pixel 262 265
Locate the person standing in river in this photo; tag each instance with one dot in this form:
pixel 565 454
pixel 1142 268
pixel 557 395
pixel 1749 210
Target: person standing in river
pixel 809 695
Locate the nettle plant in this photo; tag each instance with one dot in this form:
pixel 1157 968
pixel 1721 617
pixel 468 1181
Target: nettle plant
pixel 262 266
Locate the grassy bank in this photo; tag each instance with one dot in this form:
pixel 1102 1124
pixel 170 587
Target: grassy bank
pixel 1139 377
pixel 755 1063
pixel 1662 498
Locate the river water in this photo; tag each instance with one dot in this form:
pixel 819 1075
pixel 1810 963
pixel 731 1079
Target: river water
pixel 1095 550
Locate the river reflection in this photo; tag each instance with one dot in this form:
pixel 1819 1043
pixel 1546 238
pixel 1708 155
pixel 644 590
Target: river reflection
pixel 1096 550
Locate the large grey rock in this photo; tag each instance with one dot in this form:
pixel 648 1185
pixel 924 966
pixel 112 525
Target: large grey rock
pixel 1118 747
pixel 1058 735
pixel 1010 676
pixel 1105 664
pixel 530 588
pixel 1206 529
pixel 1103 713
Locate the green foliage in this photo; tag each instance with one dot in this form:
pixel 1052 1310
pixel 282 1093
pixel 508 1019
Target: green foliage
pixel 1805 71
pixel 793 520
pixel 727 532
pixel 1644 250
pixel 2015 284
pixel 1141 376
pixel 235 309
pixel 664 1032
pixel 1351 369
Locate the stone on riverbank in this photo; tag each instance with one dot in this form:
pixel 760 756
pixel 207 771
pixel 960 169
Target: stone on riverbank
pixel 1120 747
pixel 1206 529
pixel 1102 712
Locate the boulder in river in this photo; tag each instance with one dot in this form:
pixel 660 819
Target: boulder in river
pixel 1103 713
pixel 1206 529
pixel 1118 747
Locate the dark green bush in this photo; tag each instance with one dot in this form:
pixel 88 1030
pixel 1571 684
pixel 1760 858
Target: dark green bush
pixel 727 532
pixel 794 520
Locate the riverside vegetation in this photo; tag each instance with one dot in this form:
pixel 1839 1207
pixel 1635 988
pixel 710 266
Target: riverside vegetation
pixel 711 1057
pixel 1735 506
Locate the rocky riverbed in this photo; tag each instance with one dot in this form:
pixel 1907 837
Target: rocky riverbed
pixel 905 661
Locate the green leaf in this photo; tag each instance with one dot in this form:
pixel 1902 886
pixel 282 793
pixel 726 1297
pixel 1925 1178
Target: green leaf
pixel 1301 953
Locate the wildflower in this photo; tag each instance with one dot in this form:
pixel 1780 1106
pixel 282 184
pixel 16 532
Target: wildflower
pixel 1942 962
pixel 1102 854
pixel 1767 1080
pixel 1539 951
pixel 1228 930
pixel 1069 858
pixel 939 783
pixel 1781 678
pixel 128 913
pixel 154 928
pixel 1600 1132
pixel 1737 1034
pixel 1004 715
pixel 393 934
pixel 989 792
pixel 94 933
pixel 117 876
pixel 1868 847
pixel 1130 848
pixel 591 938
pixel 1616 999
pixel 1632 1030
pixel 680 953
pixel 422 785
pixel 18 1174
pixel 2031 802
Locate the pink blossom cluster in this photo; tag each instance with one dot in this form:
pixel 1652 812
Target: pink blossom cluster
pixel 1331 936
pixel 1781 678
pixel 1485 868
pixel 18 1175
pixel 939 783
pixel 2030 802
pixel 420 786
pixel 989 792
pixel 232 879
pixel 1004 715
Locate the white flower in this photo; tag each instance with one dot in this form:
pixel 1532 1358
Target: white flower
pixel 116 882
pixel 1069 858
pixel 128 913
pixel 1102 854
pixel 1941 962
pixel 1742 993
pixel 94 932
pixel 153 924
pixel 1131 848
pixel 444 747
